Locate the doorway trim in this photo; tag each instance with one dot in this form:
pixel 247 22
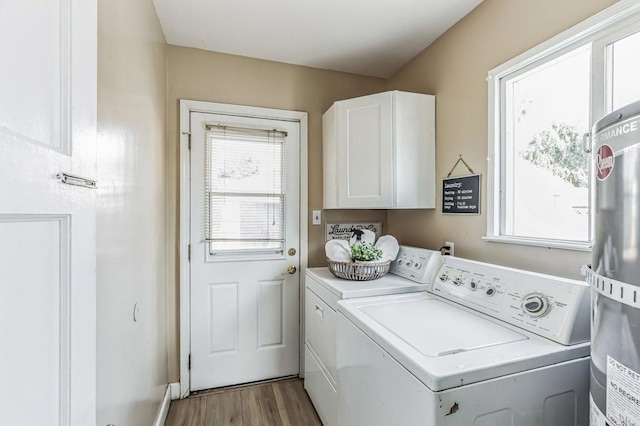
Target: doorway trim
pixel 187 107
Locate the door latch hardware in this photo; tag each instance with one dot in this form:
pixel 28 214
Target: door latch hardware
pixel 69 179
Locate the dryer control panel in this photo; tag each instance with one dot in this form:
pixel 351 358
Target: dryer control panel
pixel 552 307
pixel 416 264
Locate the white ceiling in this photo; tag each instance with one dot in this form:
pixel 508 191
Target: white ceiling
pixel 369 37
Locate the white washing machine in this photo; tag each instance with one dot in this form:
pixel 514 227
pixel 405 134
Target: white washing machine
pixel 486 345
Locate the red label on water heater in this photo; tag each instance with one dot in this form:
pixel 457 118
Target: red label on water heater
pixel 604 161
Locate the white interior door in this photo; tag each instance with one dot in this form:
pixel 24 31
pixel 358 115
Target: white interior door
pixel 244 248
pixel 47 229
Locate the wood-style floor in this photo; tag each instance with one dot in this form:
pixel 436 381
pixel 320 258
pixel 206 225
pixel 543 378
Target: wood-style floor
pixel 283 402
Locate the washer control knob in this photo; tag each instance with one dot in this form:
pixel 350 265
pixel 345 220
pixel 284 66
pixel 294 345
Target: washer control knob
pixel 417 265
pixel 490 291
pixel 535 304
pixel 444 277
pixel 409 263
pixel 457 280
pixel 400 261
pixel 473 285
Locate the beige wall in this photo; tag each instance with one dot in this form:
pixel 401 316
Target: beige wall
pixel 454 68
pixel 131 213
pixel 215 77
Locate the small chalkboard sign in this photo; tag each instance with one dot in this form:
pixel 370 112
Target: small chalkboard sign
pixel 461 195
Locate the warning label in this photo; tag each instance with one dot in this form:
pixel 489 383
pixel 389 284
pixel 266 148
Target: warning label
pixel 623 394
pixel 596 418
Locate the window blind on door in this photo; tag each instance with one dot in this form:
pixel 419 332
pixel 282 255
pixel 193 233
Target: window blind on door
pixel 245 194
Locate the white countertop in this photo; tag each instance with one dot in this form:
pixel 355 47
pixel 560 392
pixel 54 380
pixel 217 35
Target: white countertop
pixel 347 289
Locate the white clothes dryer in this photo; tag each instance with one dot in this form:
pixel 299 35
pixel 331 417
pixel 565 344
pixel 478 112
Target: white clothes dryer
pixel 411 272
pixel 486 345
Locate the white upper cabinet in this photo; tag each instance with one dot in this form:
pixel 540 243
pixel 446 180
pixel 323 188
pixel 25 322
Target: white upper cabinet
pixel 379 152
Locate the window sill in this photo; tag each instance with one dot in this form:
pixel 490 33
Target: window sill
pixel 538 242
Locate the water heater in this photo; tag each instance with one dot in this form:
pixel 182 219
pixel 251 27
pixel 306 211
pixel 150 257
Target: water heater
pixel 615 271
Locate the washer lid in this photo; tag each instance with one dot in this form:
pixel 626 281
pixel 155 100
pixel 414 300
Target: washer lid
pixel 435 328
pixel 446 345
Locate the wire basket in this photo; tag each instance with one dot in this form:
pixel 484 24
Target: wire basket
pixel 359 271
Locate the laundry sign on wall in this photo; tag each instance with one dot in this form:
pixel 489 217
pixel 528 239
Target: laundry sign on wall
pixel 343 231
pixel 461 194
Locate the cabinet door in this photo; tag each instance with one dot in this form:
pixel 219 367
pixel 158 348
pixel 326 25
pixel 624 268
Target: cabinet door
pixel 365 152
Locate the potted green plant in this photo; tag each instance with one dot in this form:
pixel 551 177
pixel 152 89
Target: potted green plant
pixel 365 252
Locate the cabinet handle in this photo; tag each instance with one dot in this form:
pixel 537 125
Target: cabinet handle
pixel 320 311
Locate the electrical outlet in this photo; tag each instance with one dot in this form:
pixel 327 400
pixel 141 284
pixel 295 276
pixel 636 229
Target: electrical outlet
pixel 451 246
pixel 316 217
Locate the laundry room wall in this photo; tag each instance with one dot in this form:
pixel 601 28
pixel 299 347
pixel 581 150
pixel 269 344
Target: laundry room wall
pixel 454 68
pixel 131 213
pixel 216 77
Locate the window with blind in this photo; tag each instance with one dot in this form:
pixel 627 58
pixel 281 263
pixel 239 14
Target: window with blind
pixel 245 194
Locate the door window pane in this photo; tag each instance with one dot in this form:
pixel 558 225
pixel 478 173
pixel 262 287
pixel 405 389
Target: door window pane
pixel 245 194
pixel 545 188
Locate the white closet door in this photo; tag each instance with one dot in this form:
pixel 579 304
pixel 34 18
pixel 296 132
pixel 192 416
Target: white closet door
pixel 47 228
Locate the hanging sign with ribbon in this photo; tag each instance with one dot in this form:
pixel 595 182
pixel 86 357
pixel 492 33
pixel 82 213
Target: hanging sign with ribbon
pixel 461 194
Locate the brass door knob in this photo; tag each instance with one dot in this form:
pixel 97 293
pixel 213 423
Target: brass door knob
pixel 292 269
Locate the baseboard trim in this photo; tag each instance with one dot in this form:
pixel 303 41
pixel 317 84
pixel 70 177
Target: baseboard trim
pixel 163 410
pixel 175 390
